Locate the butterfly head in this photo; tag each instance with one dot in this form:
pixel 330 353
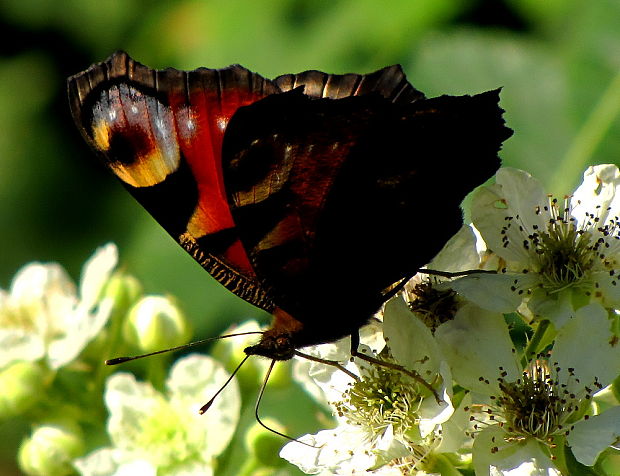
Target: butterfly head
pixel 281 340
pixel 277 347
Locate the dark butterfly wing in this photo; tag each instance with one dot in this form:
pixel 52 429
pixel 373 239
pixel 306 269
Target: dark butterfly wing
pixel 336 200
pixel 161 134
pixel 390 82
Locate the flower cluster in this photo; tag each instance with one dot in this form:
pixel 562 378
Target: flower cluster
pixel 384 414
pixel 512 369
pixel 153 432
pixel 54 338
pixel 524 355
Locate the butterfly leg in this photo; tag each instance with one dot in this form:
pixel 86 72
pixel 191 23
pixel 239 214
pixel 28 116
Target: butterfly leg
pixel 355 343
pixel 333 363
pixel 355 340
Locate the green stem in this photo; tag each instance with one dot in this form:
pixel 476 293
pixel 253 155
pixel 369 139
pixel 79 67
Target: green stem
pixel 532 346
pixel 250 467
pixel 441 464
pixel 558 454
pixel 156 371
pixel 589 136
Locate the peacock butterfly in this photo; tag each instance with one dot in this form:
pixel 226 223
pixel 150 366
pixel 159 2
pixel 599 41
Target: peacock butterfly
pixel 312 196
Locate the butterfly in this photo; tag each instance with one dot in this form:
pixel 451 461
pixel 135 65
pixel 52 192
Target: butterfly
pixel 313 196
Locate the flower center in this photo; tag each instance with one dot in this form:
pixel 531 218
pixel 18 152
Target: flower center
pixel 17 317
pixel 565 255
pixel 566 252
pixel 382 397
pixel 537 405
pixel 168 442
pixel 433 306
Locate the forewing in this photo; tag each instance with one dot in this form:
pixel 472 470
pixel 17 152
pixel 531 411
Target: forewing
pixel 390 82
pixel 160 132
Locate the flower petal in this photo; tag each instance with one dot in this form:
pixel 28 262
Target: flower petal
pixel 193 381
pixel 16 344
pixel 96 272
pixel 492 455
pixel 459 253
pixel 597 193
pixel 493 292
pixel 325 382
pixel 558 307
pixel 108 462
pixel 401 328
pixel 80 329
pixel 590 437
pixel 140 466
pixel 100 462
pixel 608 288
pixel 453 436
pixel 586 345
pixel 433 413
pixel 36 281
pixel 332 450
pixel 130 403
pixel 515 197
pixel 476 345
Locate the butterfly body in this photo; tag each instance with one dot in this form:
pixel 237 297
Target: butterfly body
pixel 309 196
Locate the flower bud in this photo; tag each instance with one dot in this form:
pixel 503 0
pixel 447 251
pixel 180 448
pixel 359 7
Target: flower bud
pixel 22 385
pixel 50 450
pixel 124 289
pixel 265 445
pixel 609 462
pixel 154 323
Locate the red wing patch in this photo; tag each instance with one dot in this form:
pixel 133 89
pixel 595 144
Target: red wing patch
pixel 161 134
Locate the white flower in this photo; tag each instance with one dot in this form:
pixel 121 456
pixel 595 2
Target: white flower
pixel 556 254
pixel 385 417
pixel 156 434
pixel 43 315
pixel 430 297
pixel 524 410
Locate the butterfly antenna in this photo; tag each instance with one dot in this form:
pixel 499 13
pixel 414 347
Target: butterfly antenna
pixel 256 407
pixel 207 405
pixel 120 360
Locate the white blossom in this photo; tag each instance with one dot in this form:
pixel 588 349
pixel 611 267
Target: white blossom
pixel 387 421
pixel 520 411
pixel 557 255
pixel 43 315
pixel 153 433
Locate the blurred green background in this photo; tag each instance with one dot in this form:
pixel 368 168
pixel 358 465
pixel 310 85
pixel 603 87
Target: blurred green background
pixel 558 62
